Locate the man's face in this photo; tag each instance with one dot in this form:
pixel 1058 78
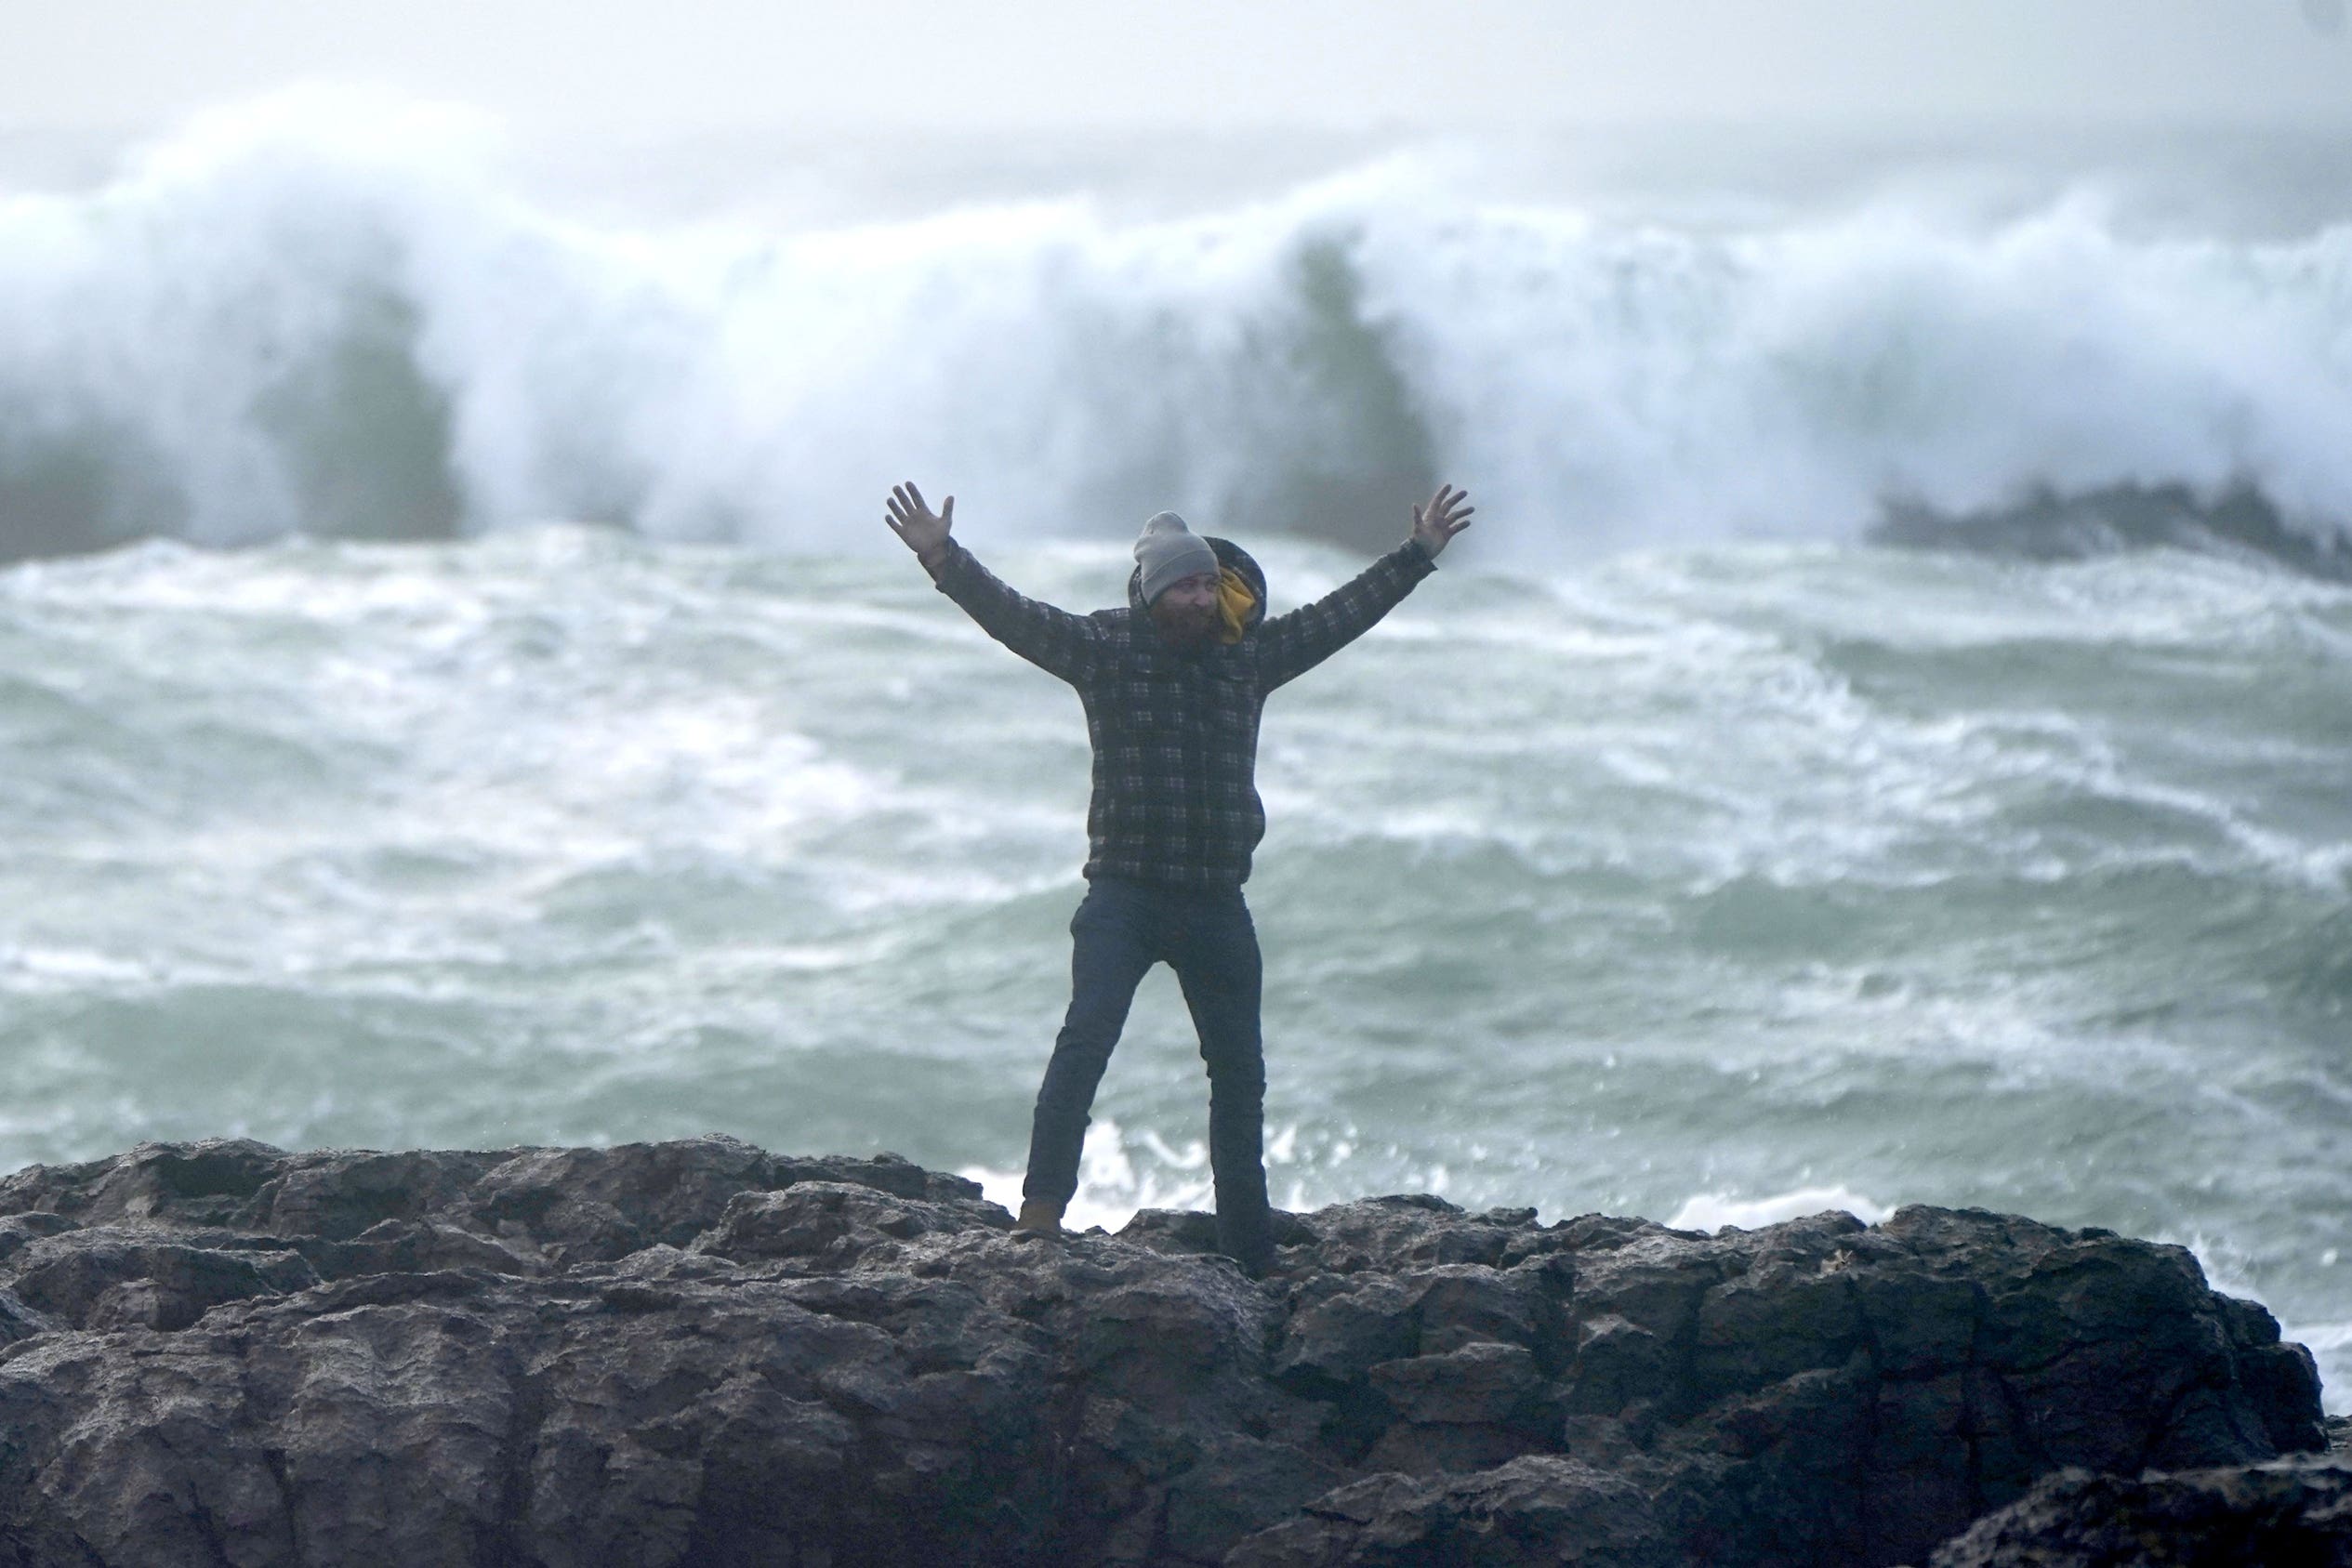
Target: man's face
pixel 1185 610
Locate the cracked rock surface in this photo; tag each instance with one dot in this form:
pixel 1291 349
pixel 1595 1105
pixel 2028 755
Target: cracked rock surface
pixel 703 1353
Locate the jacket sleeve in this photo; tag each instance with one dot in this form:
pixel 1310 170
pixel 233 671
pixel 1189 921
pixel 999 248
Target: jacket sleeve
pixel 1291 645
pixel 1056 642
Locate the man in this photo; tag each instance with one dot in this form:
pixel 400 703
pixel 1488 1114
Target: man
pixel 1172 686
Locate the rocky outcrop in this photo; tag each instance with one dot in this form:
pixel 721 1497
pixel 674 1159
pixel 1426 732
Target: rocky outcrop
pixel 703 1353
pixel 2283 1515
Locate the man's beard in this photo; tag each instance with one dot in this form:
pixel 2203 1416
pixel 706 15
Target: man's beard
pixel 1185 629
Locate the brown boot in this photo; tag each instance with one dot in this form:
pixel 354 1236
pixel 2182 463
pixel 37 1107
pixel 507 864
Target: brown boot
pixel 1039 1217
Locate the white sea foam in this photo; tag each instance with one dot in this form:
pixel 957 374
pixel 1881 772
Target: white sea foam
pixel 1712 1211
pixel 31 966
pixel 2330 1346
pixel 1114 1183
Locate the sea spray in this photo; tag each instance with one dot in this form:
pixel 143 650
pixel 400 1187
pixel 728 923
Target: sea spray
pixel 340 317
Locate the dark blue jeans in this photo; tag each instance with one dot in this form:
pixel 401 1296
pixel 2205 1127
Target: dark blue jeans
pixel 1122 929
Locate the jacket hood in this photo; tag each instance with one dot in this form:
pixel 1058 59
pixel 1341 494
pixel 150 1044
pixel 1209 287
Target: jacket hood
pixel 1230 556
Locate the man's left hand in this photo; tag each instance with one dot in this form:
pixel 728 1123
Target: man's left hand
pixel 1445 516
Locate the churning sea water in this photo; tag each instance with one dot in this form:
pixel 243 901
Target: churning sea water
pixel 1712 884
pixel 1673 851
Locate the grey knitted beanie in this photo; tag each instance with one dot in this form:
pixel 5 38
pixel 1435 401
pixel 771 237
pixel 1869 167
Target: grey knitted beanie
pixel 1169 552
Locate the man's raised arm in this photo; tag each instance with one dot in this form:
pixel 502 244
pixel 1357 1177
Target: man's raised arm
pixel 1291 645
pixel 1054 640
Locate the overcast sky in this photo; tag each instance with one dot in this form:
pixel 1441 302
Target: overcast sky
pixel 564 64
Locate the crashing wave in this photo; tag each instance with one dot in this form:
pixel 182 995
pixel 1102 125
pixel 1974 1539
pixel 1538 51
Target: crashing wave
pixel 332 316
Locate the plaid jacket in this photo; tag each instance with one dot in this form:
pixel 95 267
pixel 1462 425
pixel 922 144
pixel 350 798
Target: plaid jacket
pixel 1175 735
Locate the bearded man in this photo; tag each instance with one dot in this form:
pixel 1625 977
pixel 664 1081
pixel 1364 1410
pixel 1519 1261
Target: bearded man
pixel 1173 684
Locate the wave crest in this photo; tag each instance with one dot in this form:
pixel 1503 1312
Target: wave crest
pixel 332 316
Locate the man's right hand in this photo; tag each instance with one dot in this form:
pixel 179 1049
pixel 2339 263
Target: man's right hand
pixel 924 531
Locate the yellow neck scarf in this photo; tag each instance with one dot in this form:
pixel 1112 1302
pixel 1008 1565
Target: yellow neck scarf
pixel 1234 601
